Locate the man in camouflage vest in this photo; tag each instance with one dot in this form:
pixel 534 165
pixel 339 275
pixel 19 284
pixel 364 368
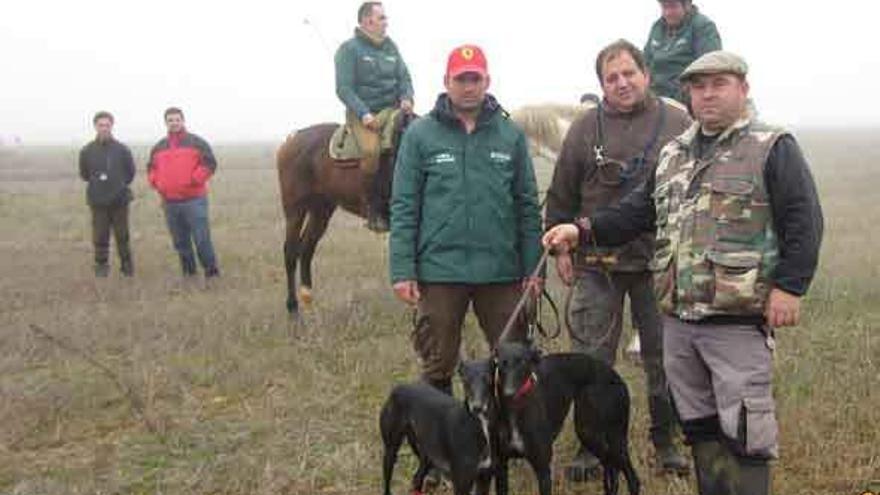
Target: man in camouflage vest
pixel 607 152
pixel 738 227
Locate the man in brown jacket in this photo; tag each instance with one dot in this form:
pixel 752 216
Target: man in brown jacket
pixel 607 152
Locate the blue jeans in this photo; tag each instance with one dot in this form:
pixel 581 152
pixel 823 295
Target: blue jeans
pixel 188 224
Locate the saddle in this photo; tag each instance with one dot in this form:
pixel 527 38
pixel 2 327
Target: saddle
pixel 344 148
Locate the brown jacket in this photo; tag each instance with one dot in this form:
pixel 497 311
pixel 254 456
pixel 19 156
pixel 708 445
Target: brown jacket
pixel 579 187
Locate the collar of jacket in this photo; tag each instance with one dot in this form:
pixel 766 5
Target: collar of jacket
pixel 688 138
pixel 443 111
pixel 649 102
pixel 369 38
pixel 174 138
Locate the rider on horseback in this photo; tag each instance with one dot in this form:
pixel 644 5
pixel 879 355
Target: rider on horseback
pixel 374 84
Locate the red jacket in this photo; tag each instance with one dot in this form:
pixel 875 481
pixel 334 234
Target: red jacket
pixel 180 166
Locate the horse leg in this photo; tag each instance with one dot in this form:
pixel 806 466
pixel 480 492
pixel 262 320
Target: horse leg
pixel 292 244
pixel 319 217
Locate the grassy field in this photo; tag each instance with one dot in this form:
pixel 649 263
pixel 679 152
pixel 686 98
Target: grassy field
pixel 236 399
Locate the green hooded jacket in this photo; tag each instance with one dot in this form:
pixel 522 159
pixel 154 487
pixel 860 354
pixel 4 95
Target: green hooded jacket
pixel 370 77
pixel 464 207
pixel 669 51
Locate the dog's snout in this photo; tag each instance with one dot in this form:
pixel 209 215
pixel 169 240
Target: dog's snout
pixel 509 387
pixel 478 407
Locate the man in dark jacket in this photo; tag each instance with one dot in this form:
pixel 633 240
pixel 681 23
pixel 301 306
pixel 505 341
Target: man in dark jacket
pixel 607 152
pixel 108 167
pixel 680 36
pixel 179 168
pixel 373 82
pixel 738 226
pixel 465 223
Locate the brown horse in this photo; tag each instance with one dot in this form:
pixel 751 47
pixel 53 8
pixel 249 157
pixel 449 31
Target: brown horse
pixel 313 185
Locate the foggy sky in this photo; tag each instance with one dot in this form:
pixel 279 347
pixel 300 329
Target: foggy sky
pixel 255 70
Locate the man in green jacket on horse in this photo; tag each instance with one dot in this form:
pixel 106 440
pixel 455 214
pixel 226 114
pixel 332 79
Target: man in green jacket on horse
pixel 680 36
pixel 373 82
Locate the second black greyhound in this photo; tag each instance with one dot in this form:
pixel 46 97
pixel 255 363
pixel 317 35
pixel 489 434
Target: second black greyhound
pixel 534 396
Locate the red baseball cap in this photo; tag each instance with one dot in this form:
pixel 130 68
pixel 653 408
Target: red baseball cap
pixel 466 58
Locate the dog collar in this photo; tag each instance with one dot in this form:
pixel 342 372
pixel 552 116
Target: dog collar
pixel 526 388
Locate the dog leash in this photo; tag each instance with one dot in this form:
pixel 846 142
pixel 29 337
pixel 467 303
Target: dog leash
pixel 525 296
pixel 615 314
pixel 533 314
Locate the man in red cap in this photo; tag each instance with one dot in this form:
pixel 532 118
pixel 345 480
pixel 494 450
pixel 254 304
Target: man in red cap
pixel 465 221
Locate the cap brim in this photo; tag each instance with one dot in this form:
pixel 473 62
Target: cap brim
pixel 467 68
pixel 687 77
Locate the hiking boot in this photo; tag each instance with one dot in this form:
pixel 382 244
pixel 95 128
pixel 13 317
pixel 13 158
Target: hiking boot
pixel 754 476
pixel 584 467
pixel 102 270
pixel 715 468
pixel 126 268
pixel 670 461
pixel 188 268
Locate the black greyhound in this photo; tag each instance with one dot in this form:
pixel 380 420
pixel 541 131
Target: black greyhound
pixel 534 395
pixel 442 432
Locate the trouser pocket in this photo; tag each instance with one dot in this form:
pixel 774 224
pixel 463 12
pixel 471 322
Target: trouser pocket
pixel 758 431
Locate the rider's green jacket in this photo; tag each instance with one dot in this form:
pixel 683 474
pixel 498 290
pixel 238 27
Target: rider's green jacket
pixel 464 206
pixel 371 75
pixel 669 50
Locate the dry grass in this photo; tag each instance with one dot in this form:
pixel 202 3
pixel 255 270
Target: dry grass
pixel 245 402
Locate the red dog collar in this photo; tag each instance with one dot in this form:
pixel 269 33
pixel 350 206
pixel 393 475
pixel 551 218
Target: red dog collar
pixel 526 388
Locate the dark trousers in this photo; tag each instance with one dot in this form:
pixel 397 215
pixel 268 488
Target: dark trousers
pixel 105 218
pixel 188 224
pixel 597 322
pixel 440 314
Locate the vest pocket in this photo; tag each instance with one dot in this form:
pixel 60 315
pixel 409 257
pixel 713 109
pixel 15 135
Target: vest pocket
pixel 731 207
pixel 736 276
pixel 664 275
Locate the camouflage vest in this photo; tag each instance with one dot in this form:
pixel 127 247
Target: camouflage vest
pixel 716 248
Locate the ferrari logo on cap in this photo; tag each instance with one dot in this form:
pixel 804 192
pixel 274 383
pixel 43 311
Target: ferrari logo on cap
pixel 467 53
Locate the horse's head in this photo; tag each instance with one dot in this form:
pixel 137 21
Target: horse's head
pixel 545 126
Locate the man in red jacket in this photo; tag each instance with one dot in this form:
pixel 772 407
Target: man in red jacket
pixel 179 168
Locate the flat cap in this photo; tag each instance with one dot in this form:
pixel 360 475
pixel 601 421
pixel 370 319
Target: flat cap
pixel 717 62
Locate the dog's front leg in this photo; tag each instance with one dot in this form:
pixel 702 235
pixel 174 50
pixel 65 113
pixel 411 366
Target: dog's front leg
pixel 484 481
pixel 539 454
